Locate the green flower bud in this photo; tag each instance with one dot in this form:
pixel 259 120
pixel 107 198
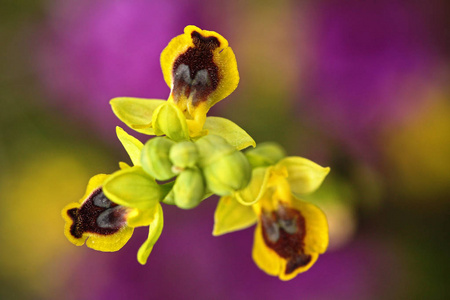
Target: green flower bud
pixel 225 169
pixel 265 154
pixel 184 154
pixel 189 189
pixel 155 158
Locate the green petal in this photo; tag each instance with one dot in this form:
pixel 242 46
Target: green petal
pixel 154 232
pixel 136 112
pixel 235 135
pixel 231 216
pixel 304 176
pixel 256 188
pixel 131 144
pixel 265 154
pixel 132 187
pixel 168 119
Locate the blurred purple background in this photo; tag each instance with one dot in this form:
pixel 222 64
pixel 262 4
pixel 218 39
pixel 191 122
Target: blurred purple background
pixel 361 87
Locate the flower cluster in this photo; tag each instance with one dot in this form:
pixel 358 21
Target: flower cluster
pixel 193 157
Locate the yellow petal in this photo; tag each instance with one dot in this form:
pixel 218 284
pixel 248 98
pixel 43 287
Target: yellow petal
pixel 304 176
pixel 283 276
pixel 154 232
pixel 131 144
pixel 136 112
pixel 316 226
pixel 232 216
pixel 265 258
pixel 110 243
pixel 94 183
pixel 68 224
pixel 231 132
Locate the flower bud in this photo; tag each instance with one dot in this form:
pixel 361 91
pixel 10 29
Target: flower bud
pixel 184 154
pixel 155 158
pixel 225 169
pixel 189 189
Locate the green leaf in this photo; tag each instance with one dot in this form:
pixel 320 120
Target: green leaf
pixel 230 131
pixel 168 119
pixel 132 187
pixel 131 144
pixel 136 112
pixel 154 232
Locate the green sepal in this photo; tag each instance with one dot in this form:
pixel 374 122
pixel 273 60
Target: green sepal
pixel 132 187
pixel 155 158
pixel 230 131
pixel 231 216
pixel 136 112
pixel 265 154
pixel 154 232
pixel 131 144
pixel 304 175
pixel 169 120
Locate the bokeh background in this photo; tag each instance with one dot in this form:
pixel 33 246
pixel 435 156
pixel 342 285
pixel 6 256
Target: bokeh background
pixel 360 86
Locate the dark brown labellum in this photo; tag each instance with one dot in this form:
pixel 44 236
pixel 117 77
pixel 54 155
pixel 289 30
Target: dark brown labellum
pixel 194 72
pixel 97 215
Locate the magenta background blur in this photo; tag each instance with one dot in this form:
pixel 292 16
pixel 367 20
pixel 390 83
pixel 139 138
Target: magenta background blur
pixel 360 86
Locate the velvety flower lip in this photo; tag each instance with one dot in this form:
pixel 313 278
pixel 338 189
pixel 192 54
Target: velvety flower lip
pixel 289 237
pixel 96 220
pixel 201 69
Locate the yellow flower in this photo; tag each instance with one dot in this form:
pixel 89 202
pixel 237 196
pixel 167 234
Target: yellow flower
pixel 290 233
pixel 115 204
pixel 201 69
pixel 98 221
